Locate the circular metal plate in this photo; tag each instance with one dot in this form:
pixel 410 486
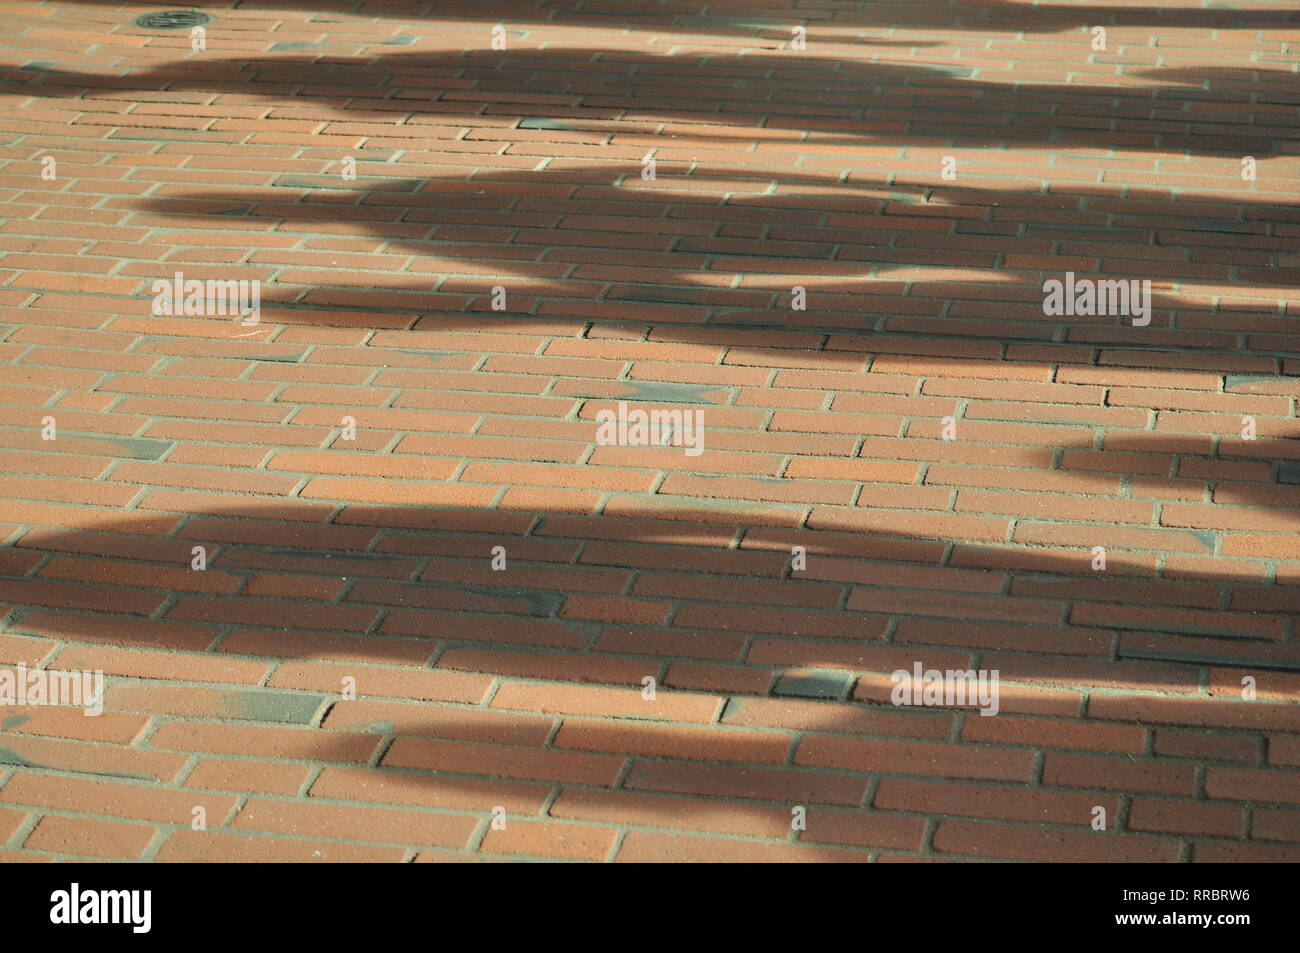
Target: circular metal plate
pixel 172 20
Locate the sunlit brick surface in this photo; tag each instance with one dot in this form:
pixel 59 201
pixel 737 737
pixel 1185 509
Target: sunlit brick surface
pixel 830 241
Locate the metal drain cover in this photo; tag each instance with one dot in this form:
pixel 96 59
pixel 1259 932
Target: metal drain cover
pixel 172 20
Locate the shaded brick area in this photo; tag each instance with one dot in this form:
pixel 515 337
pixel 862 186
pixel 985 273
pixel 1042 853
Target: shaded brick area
pixel 440 620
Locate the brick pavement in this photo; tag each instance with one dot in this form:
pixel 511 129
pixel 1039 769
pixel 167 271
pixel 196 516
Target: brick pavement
pixel 431 593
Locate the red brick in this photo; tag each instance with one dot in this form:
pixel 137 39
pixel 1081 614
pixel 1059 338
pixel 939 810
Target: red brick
pixel 905 757
pixel 427 790
pixel 499 761
pixel 623 703
pixel 643 847
pixel 116 799
pixel 1185 817
pixel 549 839
pixel 354 823
pixel 1036 844
pixel 89 837
pixel 1257 785
pixel 1127 775
pixel 222 847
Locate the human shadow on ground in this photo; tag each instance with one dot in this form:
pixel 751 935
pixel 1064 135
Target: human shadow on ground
pixel 1213 111
pixel 1000 16
pixel 891 228
pixel 953 271
pixel 700 597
